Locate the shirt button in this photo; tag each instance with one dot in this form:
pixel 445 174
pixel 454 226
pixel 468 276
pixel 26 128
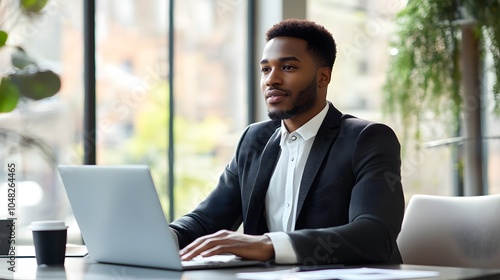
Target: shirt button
pixel 294 138
pixel 293 158
pixel 288 205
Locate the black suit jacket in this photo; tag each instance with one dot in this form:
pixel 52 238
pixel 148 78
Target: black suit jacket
pixel 350 204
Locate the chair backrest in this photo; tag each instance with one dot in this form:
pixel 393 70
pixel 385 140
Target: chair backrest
pixel 451 231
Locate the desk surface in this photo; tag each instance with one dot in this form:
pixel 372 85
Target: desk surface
pixel 84 268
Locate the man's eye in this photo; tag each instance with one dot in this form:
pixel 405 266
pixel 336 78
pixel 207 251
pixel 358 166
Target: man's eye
pixel 288 67
pixel 264 69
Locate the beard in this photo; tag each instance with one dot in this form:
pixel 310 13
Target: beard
pixel 305 100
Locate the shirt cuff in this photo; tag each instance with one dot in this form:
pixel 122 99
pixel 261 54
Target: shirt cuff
pixel 283 249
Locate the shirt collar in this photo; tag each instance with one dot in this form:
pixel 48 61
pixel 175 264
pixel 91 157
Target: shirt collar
pixel 309 129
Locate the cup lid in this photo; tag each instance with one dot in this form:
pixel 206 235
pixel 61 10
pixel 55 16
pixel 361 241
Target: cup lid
pixel 48 225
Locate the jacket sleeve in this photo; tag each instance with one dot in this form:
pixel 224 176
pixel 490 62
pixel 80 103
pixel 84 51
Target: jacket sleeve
pixel 375 211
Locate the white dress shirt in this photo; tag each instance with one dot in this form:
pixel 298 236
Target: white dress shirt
pixel 282 194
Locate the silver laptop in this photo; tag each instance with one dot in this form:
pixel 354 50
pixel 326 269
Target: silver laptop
pixel 121 219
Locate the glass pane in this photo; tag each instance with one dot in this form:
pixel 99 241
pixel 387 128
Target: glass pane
pixel 131 85
pixel 210 93
pixel 491 131
pixel 39 135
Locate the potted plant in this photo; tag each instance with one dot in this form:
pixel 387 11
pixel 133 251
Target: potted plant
pixel 26 80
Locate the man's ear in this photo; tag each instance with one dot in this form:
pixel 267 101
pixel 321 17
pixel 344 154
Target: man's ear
pixel 324 76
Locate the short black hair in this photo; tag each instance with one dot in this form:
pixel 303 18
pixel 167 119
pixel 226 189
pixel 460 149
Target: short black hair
pixel 320 42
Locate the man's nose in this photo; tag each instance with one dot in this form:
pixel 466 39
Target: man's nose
pixel 274 78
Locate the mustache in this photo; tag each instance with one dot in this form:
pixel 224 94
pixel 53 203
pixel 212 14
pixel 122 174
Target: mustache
pixel 277 89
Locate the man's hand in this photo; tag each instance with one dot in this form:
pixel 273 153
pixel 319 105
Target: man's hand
pixel 254 247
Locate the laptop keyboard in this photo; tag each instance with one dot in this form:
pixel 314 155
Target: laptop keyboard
pixel 214 259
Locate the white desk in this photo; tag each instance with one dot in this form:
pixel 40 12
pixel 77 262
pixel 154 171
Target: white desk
pixel 84 268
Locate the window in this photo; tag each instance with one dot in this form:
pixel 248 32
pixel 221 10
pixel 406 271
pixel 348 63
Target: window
pixel 132 99
pixel 362 30
pixel 209 90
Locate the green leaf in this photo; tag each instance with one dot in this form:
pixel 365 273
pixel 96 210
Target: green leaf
pixel 3 38
pixel 21 60
pixel 9 95
pixel 35 83
pixel 33 6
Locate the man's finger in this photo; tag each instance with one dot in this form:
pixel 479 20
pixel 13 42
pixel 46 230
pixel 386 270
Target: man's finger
pixel 203 244
pixel 200 240
pixel 245 246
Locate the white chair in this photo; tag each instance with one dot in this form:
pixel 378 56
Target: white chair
pixel 451 231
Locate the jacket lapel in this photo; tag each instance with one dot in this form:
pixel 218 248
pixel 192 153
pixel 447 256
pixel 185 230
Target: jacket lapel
pixel 324 139
pixel 255 222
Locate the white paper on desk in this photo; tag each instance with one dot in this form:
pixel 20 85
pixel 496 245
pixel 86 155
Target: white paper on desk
pixel 342 274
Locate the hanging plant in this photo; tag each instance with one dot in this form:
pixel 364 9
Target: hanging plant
pixel 424 72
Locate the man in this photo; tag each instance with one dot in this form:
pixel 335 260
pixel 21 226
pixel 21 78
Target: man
pixel 312 185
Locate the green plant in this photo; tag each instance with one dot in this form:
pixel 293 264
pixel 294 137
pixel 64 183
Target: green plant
pixel 26 80
pixel 424 76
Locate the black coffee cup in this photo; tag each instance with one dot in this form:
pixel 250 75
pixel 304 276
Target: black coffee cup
pixel 49 238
